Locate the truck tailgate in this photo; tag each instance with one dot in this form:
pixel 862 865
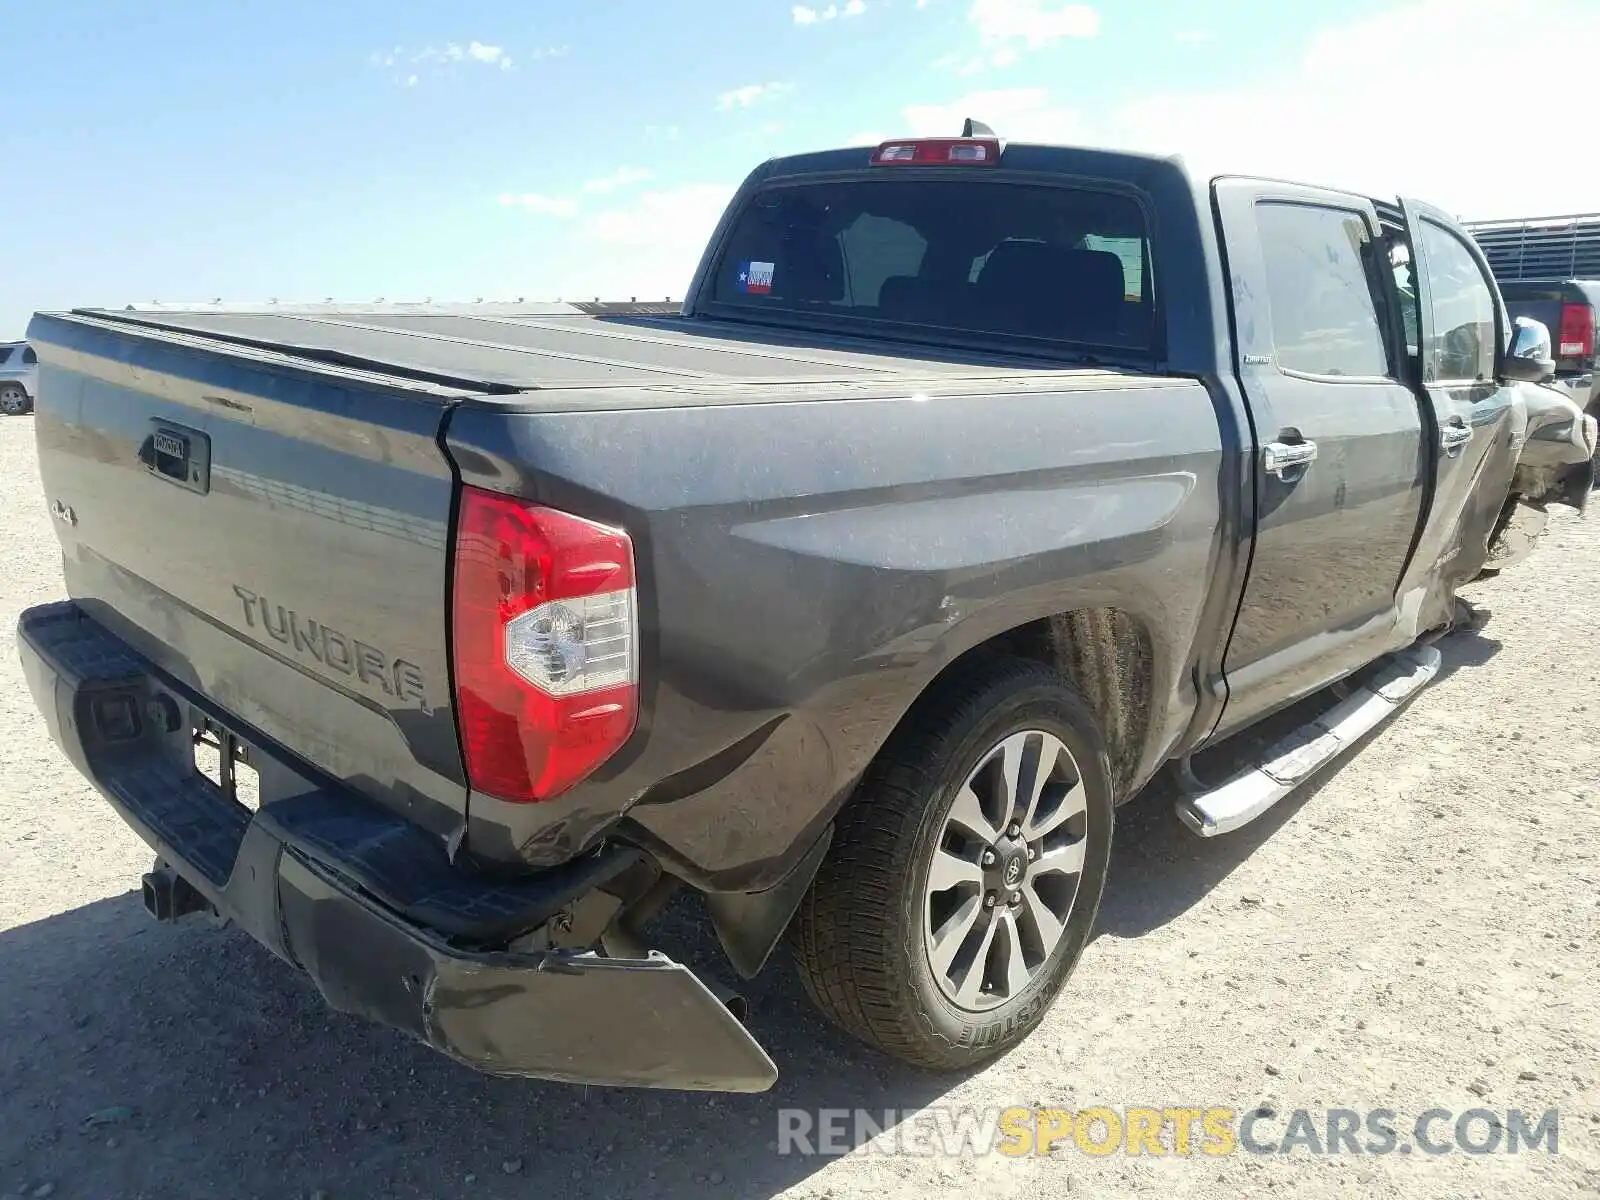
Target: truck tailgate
pixel 271 536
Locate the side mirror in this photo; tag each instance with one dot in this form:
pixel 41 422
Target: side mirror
pixel 1529 359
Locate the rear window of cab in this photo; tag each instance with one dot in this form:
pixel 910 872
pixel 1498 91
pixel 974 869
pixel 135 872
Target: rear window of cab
pixel 998 258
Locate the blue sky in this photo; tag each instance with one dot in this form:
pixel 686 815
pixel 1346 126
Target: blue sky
pixel 244 149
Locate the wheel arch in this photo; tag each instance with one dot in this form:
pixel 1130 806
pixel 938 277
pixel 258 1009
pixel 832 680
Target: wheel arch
pixel 1107 654
pixel 1107 651
pixel 859 936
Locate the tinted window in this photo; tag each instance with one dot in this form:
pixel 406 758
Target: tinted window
pixel 5 354
pixel 1324 321
pixel 1405 284
pixel 28 356
pixel 1131 252
pixel 996 258
pixel 1463 308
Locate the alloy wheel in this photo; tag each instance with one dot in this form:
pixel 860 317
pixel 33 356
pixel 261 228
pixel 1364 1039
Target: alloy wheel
pixel 1006 871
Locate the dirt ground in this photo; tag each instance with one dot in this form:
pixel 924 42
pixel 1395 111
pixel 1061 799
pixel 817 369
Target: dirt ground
pixel 1420 929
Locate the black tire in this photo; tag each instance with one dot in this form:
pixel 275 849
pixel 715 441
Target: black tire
pixel 14 401
pixel 858 937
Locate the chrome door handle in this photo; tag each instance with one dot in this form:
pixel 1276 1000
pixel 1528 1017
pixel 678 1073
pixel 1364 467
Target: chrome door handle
pixel 1454 437
pixel 1280 457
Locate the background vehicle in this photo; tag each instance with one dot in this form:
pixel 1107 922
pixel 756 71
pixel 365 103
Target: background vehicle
pixel 19 378
pixel 1548 268
pixel 852 598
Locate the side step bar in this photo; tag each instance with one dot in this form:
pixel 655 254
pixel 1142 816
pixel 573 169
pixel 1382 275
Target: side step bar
pixel 1380 696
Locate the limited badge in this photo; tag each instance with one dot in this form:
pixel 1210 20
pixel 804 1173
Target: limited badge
pixel 755 278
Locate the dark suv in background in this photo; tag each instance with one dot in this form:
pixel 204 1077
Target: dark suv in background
pixel 1548 268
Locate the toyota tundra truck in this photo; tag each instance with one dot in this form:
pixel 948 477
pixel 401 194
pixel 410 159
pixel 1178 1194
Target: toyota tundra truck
pixel 972 484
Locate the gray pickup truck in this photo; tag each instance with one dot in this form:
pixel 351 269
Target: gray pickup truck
pixel 973 484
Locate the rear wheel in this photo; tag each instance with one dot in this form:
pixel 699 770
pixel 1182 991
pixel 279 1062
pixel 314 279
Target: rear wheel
pixel 965 875
pixel 14 401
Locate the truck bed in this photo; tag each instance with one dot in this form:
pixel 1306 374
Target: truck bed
pixel 515 349
pixel 259 503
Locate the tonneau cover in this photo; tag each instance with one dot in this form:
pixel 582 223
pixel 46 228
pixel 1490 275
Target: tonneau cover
pixel 512 348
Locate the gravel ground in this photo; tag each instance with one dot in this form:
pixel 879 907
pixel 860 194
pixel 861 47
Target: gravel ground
pixel 1420 929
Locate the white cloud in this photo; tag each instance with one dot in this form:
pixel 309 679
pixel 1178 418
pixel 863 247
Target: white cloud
pixel 473 51
pixel 1034 23
pixel 751 93
pixel 1022 114
pixel 622 177
pixel 495 56
pixel 644 245
pixel 1009 28
pixel 566 207
pixel 965 65
pixel 548 206
pixel 649 247
pixel 683 215
pixel 434 59
pixel 1434 134
pixel 804 14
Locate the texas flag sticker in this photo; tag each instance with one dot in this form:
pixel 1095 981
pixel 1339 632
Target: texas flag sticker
pixel 755 278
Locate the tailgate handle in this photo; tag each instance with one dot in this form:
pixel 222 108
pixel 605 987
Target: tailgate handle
pixel 178 454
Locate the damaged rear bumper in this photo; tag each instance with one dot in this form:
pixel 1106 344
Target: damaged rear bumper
pixel 366 904
pixel 646 1022
pixel 1556 462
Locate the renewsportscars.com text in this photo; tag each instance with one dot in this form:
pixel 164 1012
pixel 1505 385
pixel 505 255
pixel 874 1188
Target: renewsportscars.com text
pixel 1180 1131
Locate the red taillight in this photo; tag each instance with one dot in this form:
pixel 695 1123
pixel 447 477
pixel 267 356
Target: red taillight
pixel 939 152
pixel 546 664
pixel 1577 331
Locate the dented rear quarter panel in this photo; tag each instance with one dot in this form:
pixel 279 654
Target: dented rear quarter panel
pixel 808 563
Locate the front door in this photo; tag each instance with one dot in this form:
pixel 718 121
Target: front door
pixel 1460 328
pixel 1341 461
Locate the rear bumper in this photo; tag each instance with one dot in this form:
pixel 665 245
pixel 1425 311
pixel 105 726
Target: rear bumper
pixel 367 904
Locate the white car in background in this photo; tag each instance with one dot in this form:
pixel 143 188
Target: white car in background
pixel 19 378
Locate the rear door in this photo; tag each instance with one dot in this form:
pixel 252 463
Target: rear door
pixel 1341 457
pixel 1462 326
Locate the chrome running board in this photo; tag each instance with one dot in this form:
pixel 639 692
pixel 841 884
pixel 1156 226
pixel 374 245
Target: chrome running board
pixel 1378 698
